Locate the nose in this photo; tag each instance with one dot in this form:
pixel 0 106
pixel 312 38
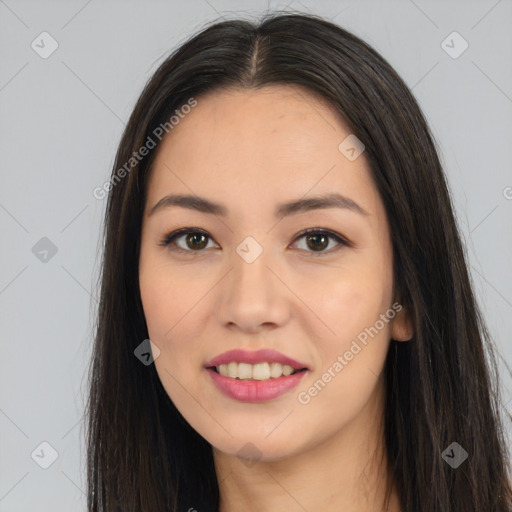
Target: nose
pixel 253 297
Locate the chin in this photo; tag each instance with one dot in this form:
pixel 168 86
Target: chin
pixel 252 449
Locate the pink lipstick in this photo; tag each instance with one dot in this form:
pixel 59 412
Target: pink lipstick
pixel 255 376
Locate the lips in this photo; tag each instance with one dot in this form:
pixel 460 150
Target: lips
pixel 274 374
pixel 254 390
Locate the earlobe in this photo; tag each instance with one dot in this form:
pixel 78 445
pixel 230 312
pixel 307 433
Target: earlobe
pixel 402 328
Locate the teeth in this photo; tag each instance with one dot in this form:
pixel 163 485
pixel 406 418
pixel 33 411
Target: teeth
pixel 276 370
pixel 232 369
pixel 287 370
pixel 260 371
pixel 244 371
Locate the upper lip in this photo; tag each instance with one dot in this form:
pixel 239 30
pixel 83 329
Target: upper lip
pixel 254 357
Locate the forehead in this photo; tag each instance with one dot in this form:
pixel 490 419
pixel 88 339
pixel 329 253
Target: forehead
pixel 270 141
pixel 246 116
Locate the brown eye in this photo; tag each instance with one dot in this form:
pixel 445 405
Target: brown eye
pixel 318 240
pixel 186 240
pixel 196 241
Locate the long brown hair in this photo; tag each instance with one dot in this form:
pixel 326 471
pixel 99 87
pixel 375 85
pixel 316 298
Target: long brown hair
pixel 442 386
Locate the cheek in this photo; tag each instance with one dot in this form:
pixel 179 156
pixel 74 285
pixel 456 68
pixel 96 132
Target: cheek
pixel 167 299
pixel 352 302
pixel 167 309
pixel 357 310
pixel 176 312
pixel 158 301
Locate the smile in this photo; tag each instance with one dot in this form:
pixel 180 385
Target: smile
pixel 255 376
pixel 260 371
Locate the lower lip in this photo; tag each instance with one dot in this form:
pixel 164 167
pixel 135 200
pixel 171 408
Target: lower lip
pixel 255 390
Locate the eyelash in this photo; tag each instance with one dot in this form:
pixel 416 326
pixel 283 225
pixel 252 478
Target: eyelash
pixel 171 238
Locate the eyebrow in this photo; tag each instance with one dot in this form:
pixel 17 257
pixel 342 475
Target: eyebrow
pixel 204 205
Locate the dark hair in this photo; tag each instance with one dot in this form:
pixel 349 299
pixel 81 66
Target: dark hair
pixel 441 387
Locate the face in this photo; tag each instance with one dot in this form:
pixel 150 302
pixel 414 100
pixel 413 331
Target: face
pixel 243 276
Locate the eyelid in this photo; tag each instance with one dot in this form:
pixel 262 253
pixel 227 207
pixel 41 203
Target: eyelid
pixel 342 241
pixel 173 235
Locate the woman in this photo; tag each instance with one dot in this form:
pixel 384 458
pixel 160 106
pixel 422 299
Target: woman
pixel 280 228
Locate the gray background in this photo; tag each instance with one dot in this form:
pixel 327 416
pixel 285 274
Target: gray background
pixel 61 120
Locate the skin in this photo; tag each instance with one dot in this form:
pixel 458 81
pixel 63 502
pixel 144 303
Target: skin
pixel 250 150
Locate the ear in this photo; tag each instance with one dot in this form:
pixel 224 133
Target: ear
pixel 402 328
